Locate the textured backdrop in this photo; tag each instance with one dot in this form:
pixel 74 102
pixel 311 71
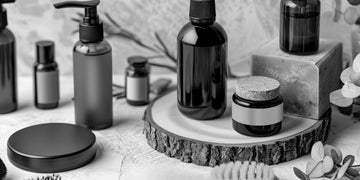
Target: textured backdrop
pixel 249 23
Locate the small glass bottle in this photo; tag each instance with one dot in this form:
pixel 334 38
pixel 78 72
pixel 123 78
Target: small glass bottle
pixel 299 26
pixel 46 76
pixel 137 81
pixel 257 108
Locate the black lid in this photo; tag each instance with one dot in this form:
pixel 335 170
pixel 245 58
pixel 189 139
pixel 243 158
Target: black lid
pixel 51 148
pixel 137 61
pixel 301 8
pixel 91 28
pixel 202 10
pixel 45 51
pixel 3 14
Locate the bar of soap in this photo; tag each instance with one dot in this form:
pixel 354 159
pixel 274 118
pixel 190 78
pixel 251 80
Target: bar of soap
pixel 257 88
pixel 306 81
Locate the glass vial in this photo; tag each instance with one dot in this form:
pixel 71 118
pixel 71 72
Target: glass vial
pixel 137 81
pixel 257 108
pixel 46 76
pixel 202 66
pixel 299 26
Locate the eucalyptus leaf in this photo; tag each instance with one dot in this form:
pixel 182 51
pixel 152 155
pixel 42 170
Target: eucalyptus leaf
pixel 314 169
pixel 355 78
pixel 345 75
pixel 317 151
pixel 356 64
pixel 328 164
pixel 328 152
pixel 350 90
pixel 343 169
pixel 350 158
pixel 337 159
pixel 338 99
pixel 301 175
pixel 350 15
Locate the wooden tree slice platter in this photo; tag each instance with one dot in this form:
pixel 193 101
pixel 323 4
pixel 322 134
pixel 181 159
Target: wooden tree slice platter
pixel 209 143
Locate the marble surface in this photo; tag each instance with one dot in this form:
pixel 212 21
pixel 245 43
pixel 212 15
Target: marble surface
pixel 306 81
pixel 124 153
pixel 248 23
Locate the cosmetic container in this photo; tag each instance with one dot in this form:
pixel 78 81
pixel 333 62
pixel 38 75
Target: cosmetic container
pixel 257 108
pixel 299 26
pixel 137 81
pixel 92 58
pixel 51 147
pixel 202 66
pixel 8 86
pixel 46 76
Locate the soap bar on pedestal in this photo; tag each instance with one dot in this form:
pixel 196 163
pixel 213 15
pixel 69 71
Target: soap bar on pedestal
pixel 306 81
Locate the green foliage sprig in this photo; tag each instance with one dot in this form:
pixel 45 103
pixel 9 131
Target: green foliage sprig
pixel 328 162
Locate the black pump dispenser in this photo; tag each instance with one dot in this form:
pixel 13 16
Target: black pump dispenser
pixel 3 14
pixel 91 28
pixel 202 10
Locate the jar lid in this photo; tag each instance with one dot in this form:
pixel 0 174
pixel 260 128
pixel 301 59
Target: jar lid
pixel 137 61
pixel 51 148
pixel 257 88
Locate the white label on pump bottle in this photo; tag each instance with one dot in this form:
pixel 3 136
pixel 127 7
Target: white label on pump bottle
pixel 137 89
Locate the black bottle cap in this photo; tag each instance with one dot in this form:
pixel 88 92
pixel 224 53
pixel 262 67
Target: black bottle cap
pixel 51 148
pixel 137 61
pixel 3 14
pixel 91 28
pixel 202 10
pixel 45 51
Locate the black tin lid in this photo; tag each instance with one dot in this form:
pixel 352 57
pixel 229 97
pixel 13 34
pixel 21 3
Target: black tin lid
pixel 45 51
pixel 51 148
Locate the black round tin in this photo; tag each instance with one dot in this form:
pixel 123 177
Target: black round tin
pixel 51 148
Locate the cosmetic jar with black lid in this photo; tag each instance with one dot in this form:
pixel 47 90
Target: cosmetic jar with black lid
pixel 257 108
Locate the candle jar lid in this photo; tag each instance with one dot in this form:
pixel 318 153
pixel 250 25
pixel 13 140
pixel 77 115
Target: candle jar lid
pixel 52 147
pixel 257 88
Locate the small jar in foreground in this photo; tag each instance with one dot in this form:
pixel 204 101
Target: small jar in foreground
pixel 137 81
pixel 257 108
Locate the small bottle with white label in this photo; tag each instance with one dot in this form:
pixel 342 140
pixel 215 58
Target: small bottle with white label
pixel 46 76
pixel 137 81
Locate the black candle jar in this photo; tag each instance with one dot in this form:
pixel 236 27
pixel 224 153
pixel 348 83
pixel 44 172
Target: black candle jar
pixel 257 108
pixel 299 26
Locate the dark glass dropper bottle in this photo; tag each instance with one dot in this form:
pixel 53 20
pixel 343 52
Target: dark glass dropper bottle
pixel 202 66
pixel 299 26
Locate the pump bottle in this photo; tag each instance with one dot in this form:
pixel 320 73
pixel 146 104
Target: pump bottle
pixel 92 58
pixel 202 66
pixel 8 87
